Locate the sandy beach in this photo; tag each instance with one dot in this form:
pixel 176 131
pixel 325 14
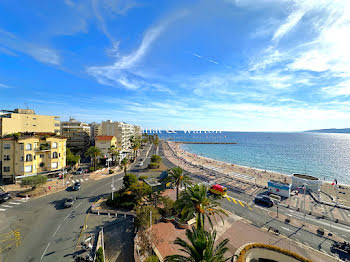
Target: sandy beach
pixel 254 175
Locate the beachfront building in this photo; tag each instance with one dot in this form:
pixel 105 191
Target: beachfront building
pixel 25 120
pixel 77 133
pixel 104 143
pixel 312 183
pixel 279 188
pixel 122 131
pixel 30 154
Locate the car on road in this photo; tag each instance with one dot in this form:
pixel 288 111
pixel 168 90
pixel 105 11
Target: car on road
pixel 79 171
pixel 141 159
pixel 263 200
pixel 4 197
pixel 69 202
pixel 140 163
pixel 218 190
pixel 76 186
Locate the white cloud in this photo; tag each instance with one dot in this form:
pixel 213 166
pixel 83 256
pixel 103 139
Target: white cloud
pixel 5 86
pixel 121 72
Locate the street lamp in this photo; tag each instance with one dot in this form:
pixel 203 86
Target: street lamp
pixel 112 186
pixel 304 186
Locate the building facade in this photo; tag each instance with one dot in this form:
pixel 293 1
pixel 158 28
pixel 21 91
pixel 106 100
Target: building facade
pixel 31 154
pixel 25 120
pixel 77 134
pixel 95 130
pixel 104 143
pixel 122 131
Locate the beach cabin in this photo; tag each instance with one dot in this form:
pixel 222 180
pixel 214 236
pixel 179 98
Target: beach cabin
pixel 312 183
pixel 279 188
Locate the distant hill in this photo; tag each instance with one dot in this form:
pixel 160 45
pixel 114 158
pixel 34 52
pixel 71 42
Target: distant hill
pixel 331 130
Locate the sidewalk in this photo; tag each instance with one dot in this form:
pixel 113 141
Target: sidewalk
pixel 239 233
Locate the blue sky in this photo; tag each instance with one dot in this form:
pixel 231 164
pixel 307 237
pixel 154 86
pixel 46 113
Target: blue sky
pixel 248 65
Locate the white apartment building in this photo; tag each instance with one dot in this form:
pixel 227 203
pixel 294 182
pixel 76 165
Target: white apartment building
pixel 122 131
pixel 77 134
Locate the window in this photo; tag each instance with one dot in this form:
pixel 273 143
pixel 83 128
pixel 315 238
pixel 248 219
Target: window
pixel 28 146
pixel 54 165
pixel 54 155
pixel 54 145
pixel 28 169
pixel 59 154
pixel 41 156
pixel 34 167
pixel 7 146
pixel 29 158
pixel 34 118
pixel 6 169
pixel 22 158
pixel 6 157
pixel 57 124
pixel 21 146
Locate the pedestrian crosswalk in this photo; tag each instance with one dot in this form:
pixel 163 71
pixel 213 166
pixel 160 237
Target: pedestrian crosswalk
pixel 10 204
pixel 238 202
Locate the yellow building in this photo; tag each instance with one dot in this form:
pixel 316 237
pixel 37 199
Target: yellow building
pixel 25 120
pixel 104 143
pixel 31 154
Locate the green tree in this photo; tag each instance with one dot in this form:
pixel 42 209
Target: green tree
pixel 156 159
pixel 195 200
pixel 135 144
pixel 124 164
pixel 143 216
pixel 129 179
pixel 152 259
pixel 201 247
pixel 99 255
pixel 139 190
pixel 177 178
pixel 94 153
pixel 71 158
pixel 33 181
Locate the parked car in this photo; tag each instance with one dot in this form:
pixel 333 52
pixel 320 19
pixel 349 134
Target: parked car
pixel 76 186
pixel 4 197
pixel 79 171
pixel 341 246
pixel 264 200
pixel 69 202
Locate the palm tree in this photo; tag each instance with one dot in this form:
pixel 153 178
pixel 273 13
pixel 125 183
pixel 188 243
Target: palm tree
pixel 177 178
pixel 195 200
pixel 114 152
pixel 93 152
pixel 135 144
pixel 201 247
pixel 125 164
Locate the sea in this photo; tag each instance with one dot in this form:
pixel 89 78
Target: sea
pixel 326 156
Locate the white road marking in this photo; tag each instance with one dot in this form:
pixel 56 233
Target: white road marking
pixel 286 228
pixel 68 215
pixel 14 203
pixel 78 205
pixel 82 180
pixel 6 206
pixel 45 250
pixel 86 179
pixel 73 181
pixel 2 209
pixel 56 231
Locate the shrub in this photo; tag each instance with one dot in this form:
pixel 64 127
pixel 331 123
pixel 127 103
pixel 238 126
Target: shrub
pixel 168 207
pixel 143 216
pixel 122 199
pixel 140 190
pixel 152 259
pixel 91 169
pixel 33 181
pixel 153 165
pixel 129 179
pixel 156 159
pixel 99 255
pixel 143 177
pixel 111 171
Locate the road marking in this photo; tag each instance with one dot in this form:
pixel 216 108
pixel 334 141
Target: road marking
pixel 323 251
pixel 14 203
pixel 286 228
pixel 2 209
pixel 82 180
pixel 228 198
pixel 307 244
pixel 78 205
pixel 45 250
pixel 86 179
pixel 68 215
pixel 6 206
pixel 73 181
pixel 56 231
pixel 241 203
pixel 234 200
pixel 249 207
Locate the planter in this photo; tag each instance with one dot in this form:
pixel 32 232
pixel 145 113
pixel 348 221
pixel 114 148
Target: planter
pixel 169 219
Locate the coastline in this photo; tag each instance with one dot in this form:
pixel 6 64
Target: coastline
pixel 255 175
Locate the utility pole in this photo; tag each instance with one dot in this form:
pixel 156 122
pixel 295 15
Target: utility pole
pixel 63 176
pixel 304 200
pixel 112 186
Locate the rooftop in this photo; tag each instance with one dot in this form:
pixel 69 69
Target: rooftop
pixel 104 138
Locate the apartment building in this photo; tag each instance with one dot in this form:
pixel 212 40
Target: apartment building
pixel 95 130
pixel 25 120
pixel 77 134
pixel 104 143
pixel 31 154
pixel 122 131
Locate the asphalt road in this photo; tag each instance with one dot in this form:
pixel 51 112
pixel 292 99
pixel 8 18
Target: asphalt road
pixel 45 230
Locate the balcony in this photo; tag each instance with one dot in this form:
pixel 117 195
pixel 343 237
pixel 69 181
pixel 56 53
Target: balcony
pixel 43 147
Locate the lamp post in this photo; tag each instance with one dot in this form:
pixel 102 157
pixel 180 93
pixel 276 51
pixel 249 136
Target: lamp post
pixel 112 186
pixel 304 200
